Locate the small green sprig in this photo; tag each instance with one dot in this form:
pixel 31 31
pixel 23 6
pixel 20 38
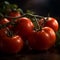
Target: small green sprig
pixel 58 38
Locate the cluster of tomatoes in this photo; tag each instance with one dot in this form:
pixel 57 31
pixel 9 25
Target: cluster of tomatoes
pixel 15 32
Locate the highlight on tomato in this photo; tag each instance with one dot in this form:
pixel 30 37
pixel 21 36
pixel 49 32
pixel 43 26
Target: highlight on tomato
pixel 9 43
pixel 50 22
pixel 43 39
pixel 23 27
pixel 4 21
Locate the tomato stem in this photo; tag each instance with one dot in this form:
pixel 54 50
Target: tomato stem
pixel 14 18
pixel 8 32
pixel 37 23
pixel 38 27
pixel 37 16
pixel 45 19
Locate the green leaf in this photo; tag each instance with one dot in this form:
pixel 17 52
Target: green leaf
pixel 58 38
pixel 20 10
pixel 6 3
pixel 1 15
pixel 13 7
pixel 30 12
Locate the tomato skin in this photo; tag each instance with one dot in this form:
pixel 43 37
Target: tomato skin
pixel 51 22
pixel 12 44
pixel 14 14
pixel 42 40
pixel 5 21
pixel 24 27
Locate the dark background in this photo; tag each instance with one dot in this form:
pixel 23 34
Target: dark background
pixel 47 6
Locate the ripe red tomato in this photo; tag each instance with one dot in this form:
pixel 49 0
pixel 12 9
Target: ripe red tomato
pixel 14 14
pixel 5 21
pixel 10 44
pixel 42 40
pixel 24 27
pixel 51 22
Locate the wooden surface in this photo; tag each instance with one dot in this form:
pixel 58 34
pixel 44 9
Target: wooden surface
pixel 52 54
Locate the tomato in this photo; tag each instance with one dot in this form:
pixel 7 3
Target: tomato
pixel 51 22
pixel 42 40
pixel 24 27
pixel 14 14
pixel 5 21
pixel 8 44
